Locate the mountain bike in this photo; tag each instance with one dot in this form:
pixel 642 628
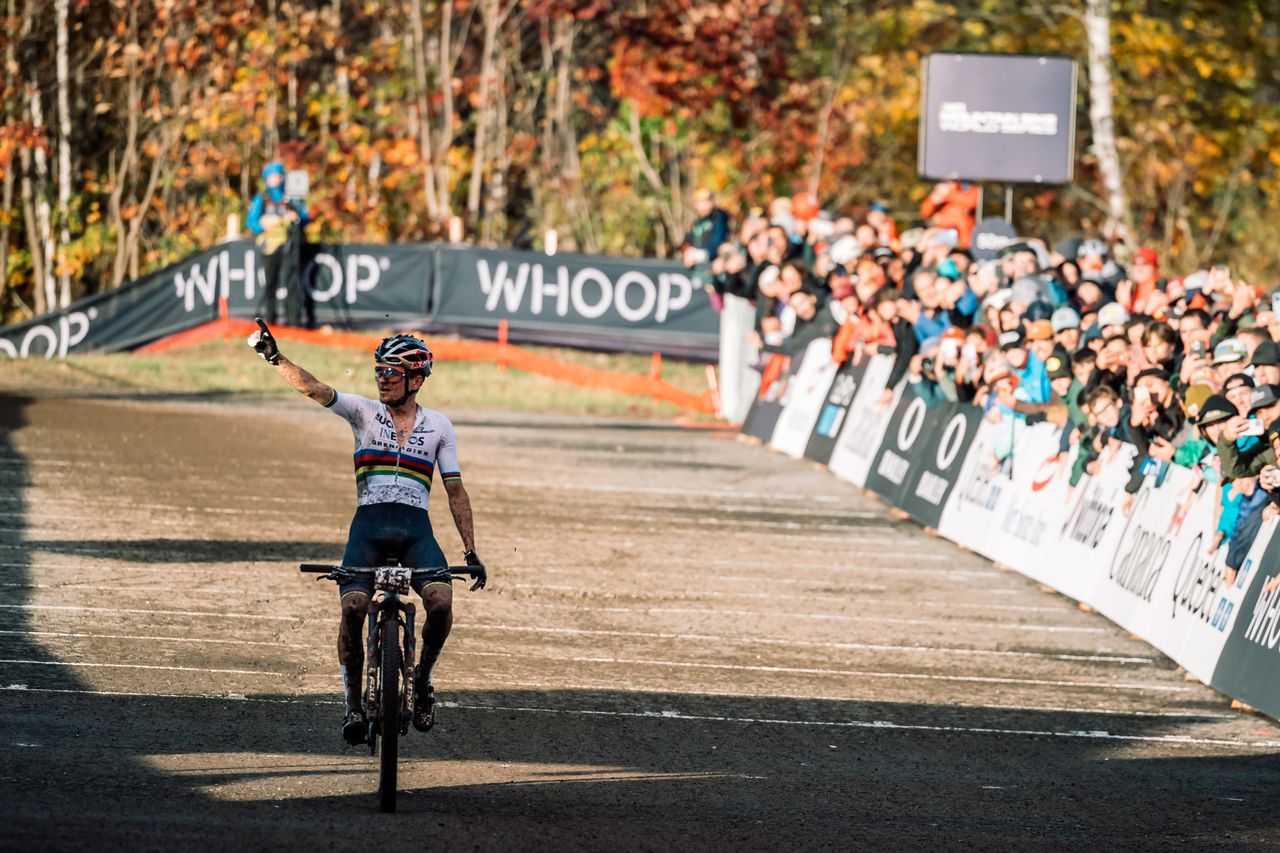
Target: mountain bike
pixel 389 656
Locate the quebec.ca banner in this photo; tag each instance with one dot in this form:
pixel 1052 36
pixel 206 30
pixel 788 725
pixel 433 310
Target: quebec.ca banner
pixel 1003 489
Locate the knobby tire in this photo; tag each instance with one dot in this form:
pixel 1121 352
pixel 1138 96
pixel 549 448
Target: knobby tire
pixel 389 709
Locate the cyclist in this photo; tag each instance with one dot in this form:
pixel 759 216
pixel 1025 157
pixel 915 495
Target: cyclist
pixel 398 446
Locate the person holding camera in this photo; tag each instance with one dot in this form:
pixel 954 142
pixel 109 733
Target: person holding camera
pixel 277 222
pixel 708 232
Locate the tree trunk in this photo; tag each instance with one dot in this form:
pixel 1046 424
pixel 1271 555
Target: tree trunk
pixel 271 136
pixel 1097 25
pixel 10 61
pixel 650 174
pixel 44 222
pixel 422 106
pixel 119 173
pixel 495 213
pixel 33 233
pixel 492 14
pixel 64 149
pixel 441 152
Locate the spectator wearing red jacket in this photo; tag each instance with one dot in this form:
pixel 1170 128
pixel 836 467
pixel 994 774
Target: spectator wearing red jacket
pixel 953 204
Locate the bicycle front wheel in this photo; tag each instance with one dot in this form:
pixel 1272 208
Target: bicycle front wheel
pixel 389 710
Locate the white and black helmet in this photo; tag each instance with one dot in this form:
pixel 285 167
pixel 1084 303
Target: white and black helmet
pixel 405 351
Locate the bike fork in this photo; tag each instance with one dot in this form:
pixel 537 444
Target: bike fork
pixel 372 659
pixel 406 663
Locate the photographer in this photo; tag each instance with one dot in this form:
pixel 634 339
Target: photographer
pixel 278 222
pixel 708 232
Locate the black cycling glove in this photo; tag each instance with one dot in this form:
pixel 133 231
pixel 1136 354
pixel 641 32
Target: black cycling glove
pixel 264 343
pixel 478 571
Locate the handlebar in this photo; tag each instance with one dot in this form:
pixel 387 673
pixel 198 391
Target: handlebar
pixel 439 573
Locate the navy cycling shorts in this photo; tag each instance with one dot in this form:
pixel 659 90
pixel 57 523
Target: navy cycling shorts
pixel 383 533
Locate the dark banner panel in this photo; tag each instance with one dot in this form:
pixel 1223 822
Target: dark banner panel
pixel 352 285
pixel 172 300
pixel 939 457
pixel 620 296
pixel 766 408
pixel 834 410
pixel 910 430
pixel 565 300
pixel 1249 667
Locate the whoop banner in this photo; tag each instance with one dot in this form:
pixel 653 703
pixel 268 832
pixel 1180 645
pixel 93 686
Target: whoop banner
pixel 571 299
pixel 605 295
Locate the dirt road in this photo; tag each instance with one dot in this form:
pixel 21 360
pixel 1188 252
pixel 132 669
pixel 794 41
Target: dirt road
pixel 689 643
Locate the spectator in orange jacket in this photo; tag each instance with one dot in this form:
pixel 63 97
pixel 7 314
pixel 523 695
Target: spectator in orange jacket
pixel 953 205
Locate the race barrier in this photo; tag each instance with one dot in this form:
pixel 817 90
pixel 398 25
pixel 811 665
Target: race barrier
pixel 1003 490
pixel 607 303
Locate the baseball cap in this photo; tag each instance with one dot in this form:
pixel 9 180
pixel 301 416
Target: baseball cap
pixel 1215 408
pixel 1039 330
pixel 1146 255
pixel 1010 339
pixel 953 333
pixel 1232 349
pixel 844 250
pixel 1057 367
pixel 1092 247
pixel 1236 380
pixel 1266 353
pixel 948 269
pixel 1112 314
pixel 1064 318
pixel 1068 247
pixel 1038 310
pixel 1193 398
pixel 1263 396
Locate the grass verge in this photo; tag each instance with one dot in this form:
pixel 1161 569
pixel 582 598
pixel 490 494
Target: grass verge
pixel 230 368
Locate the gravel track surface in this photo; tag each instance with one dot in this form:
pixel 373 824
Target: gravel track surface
pixel 688 642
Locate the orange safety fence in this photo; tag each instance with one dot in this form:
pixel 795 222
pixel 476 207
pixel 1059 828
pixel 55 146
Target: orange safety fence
pixel 500 353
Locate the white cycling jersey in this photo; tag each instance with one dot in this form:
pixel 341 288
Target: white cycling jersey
pixel 387 472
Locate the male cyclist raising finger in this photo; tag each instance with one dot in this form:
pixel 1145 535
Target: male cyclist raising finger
pixel 398 447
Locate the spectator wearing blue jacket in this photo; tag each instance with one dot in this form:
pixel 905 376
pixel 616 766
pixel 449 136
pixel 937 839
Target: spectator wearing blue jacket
pixel 933 319
pixel 277 223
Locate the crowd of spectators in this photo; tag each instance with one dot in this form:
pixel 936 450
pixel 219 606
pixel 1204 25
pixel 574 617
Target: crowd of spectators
pixel 1109 347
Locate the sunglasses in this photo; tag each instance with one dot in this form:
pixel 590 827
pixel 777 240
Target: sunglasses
pixel 387 372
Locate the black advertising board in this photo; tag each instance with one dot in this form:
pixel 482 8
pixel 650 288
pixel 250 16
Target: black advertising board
pixel 937 460
pixel 172 300
pixel 909 431
pixel 618 297
pixel 650 303
pixel 1249 667
pixel 844 385
pixel 998 117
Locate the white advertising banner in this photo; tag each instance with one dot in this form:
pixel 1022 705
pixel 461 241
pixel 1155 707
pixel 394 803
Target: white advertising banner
pixel 806 392
pixel 982 494
pixel 865 424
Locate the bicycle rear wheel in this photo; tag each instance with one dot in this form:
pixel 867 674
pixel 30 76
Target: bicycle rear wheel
pixel 389 710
